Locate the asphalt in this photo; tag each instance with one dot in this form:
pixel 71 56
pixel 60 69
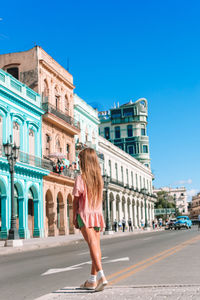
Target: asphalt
pixel 50 242
pixel 136 292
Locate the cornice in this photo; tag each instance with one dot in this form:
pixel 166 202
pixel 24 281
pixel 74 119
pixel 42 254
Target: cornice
pixel 55 72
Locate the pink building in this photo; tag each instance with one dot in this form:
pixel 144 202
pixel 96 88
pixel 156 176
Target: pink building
pixel 43 74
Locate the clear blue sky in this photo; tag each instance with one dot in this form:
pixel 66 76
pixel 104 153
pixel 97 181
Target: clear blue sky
pixel 122 50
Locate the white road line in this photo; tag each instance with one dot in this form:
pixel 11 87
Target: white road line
pixel 117 260
pixel 83 253
pixel 70 268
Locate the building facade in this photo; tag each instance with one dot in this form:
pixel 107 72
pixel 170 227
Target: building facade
pixel 178 196
pixel 126 127
pixel 130 186
pixel 21 118
pixel 195 207
pixel 42 73
pixel 89 122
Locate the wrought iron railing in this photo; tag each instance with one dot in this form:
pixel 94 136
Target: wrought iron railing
pixel 49 108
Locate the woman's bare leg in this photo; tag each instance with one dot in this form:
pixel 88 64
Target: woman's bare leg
pixel 93 241
pixel 97 236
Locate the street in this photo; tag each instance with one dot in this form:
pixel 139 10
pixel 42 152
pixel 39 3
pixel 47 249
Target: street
pixel 148 259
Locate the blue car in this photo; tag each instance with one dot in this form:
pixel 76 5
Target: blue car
pixel 183 222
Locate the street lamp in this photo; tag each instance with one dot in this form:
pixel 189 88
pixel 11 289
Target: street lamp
pixel 106 179
pixel 144 192
pixel 12 153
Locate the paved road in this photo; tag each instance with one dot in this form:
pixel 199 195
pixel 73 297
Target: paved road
pixel 151 259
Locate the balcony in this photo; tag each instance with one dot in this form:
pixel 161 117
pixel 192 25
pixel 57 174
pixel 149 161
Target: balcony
pixel 49 108
pixel 30 159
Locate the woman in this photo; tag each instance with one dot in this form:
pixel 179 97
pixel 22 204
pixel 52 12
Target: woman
pixel 87 214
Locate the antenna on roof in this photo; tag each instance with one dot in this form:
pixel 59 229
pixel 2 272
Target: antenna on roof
pixel 67 63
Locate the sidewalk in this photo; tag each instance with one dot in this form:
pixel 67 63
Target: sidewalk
pixel 159 292
pixel 41 243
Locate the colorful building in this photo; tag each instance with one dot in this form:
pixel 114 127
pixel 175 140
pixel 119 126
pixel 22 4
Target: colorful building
pixel 42 73
pixel 126 127
pixel 130 186
pixel 21 117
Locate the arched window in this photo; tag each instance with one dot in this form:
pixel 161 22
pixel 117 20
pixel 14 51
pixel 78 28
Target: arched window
pixel 58 145
pixel 57 99
pixel 45 92
pixel 14 71
pixel 47 145
pixel 68 151
pixel 16 133
pixel 67 105
pixel 31 142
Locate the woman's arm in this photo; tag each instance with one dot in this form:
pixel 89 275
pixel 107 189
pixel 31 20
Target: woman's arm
pixel 75 211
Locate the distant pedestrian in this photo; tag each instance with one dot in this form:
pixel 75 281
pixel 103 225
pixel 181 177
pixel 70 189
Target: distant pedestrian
pixel 153 224
pixel 198 222
pixel 123 224
pixel 160 222
pixel 87 214
pixel 130 225
pixel 142 223
pixel 115 225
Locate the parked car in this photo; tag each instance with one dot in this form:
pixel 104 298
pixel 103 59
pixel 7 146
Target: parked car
pixel 170 224
pixel 183 222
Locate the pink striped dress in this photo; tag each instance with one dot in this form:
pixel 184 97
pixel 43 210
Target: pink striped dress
pixel 90 217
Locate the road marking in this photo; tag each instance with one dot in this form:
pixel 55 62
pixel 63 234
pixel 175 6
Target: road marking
pixel 116 260
pixel 146 239
pixel 83 253
pixel 150 261
pixel 70 268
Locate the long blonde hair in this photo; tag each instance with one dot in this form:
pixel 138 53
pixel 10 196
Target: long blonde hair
pixel 91 174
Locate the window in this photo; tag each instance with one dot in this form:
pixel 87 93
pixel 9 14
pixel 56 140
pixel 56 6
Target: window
pixel 58 146
pixel 131 150
pixel 107 133
pixel 66 104
pixel 47 145
pixel 14 71
pixel 31 142
pixel 128 112
pixel 132 178
pixel 116 113
pixel 110 168
pixel 136 179
pixel 146 165
pixel 68 150
pixel 116 171
pixel 143 131
pixel 145 149
pixel 127 179
pixel 117 132
pixel 130 130
pixel 122 174
pixel 16 133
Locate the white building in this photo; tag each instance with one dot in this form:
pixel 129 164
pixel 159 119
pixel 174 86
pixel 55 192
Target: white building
pixel 89 121
pixel 178 196
pixel 128 178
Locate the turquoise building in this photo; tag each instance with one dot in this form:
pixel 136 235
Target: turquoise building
pixel 21 117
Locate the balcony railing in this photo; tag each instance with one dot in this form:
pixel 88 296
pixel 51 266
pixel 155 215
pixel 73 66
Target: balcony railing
pixel 49 108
